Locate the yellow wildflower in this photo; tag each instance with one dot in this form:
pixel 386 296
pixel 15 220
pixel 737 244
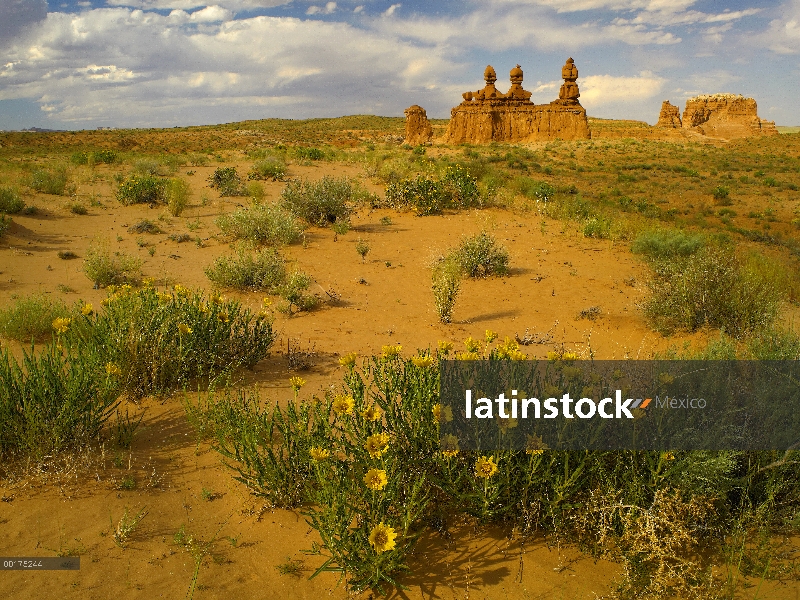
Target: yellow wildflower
pixel 87 310
pixel 382 538
pixel 472 345
pixel 468 356
pixel 442 414
pixel 343 405
pixel 485 467
pixel 391 351
pixel 297 383
pixel 223 317
pixel 113 370
pixel 535 445
pixel 569 356
pixel 422 361
pixel 376 479
pixel 490 336
pixel 318 453
pixel 449 445
pixel 506 424
pixel 373 413
pixel 61 324
pixel 183 328
pixel 216 299
pixel 668 456
pixel 148 281
pixel 445 347
pixel 553 355
pixel 348 360
pixel 377 444
pixel 180 290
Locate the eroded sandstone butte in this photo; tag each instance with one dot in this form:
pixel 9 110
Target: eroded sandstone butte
pixel 418 128
pixel 670 116
pixel 489 115
pixel 725 116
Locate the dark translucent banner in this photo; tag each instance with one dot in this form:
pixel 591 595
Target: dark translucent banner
pixel 615 405
pixel 40 563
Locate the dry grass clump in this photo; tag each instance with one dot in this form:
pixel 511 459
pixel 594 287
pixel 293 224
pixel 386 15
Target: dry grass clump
pixel 481 256
pixel 51 181
pixel 445 283
pixel 261 224
pixel 10 201
pixel 31 318
pixel 324 202
pixel 104 268
pixel 264 270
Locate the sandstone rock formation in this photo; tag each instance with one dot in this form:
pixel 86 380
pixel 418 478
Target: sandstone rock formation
pixel 418 128
pixel 670 116
pixel 726 116
pixel 489 115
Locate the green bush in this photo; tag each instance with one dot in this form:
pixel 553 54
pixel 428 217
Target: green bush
pixel 322 202
pixel 5 223
pixel 54 401
pixel 144 226
pixel 269 168
pixel 293 291
pixel 711 287
pixel 721 194
pixel 30 318
pixel 105 269
pixel 51 181
pixel 228 182
pixel 177 195
pixel 658 244
pixel 264 270
pixel 10 201
pixel 445 283
pixel 309 153
pixel 154 342
pixel 108 157
pixel 428 196
pixel 261 224
pixel 142 189
pixel 597 227
pixel 423 195
pixel 480 256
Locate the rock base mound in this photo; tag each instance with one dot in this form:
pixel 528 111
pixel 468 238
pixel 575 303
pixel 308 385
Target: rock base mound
pixel 725 116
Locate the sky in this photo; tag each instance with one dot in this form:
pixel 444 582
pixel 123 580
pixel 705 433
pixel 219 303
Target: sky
pixel 82 64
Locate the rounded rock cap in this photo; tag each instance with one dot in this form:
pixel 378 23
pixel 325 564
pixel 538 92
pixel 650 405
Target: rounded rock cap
pixel 516 74
pixel 489 74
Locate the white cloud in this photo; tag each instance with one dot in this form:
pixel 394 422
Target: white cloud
pixel 152 69
pixel 234 5
pixel 328 9
pixel 597 90
pixel 391 10
pixel 358 8
pixel 211 14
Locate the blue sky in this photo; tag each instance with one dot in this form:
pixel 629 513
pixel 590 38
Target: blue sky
pixel 78 64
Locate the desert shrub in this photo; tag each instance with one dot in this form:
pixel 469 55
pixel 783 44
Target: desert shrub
pixel 227 181
pixel 177 195
pixel 155 341
pixel 711 287
pixel 423 195
pixel 53 401
pixel 370 466
pixel 105 269
pixel 294 292
pixel 269 168
pixel 108 157
pixel 309 153
pixel 142 189
pixel 255 189
pixel 144 226
pixel 51 181
pixel 261 224
pixel 5 223
pixel 480 256
pixel 148 166
pixel 320 202
pixel 445 283
pixel 30 318
pixel 429 196
pixel 656 244
pixel 10 201
pixel 536 190
pixel 460 187
pixel 597 227
pixel 79 158
pixel 721 194
pixel 264 270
